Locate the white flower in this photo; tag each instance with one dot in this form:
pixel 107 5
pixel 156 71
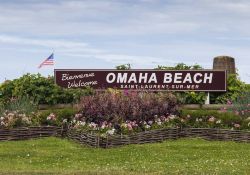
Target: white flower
pixel 26 119
pixel 2 118
pixel 172 117
pixel 218 122
pixel 158 120
pixel 2 123
pixel 11 115
pixel 82 123
pixel 65 120
pixel 21 115
pixel 124 125
pixel 147 126
pixel 111 132
pixel 150 122
pixel 158 123
pixel 92 125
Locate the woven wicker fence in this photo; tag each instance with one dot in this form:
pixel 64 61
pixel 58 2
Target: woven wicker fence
pixel 94 140
pixel 216 134
pixel 25 133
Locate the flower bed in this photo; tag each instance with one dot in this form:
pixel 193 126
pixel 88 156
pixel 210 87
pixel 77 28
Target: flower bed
pixel 114 118
pixel 199 119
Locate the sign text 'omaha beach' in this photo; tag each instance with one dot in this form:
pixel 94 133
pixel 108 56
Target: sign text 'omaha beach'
pixel 195 80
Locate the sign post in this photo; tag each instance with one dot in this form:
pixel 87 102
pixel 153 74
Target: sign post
pixel 207 101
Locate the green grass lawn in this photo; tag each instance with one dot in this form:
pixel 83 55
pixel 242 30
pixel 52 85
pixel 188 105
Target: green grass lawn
pixel 184 156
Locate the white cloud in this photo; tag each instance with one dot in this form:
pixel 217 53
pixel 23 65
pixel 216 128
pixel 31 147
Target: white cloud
pixel 124 18
pixel 83 50
pixel 38 42
pixel 140 32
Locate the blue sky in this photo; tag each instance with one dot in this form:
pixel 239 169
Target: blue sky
pixel 106 33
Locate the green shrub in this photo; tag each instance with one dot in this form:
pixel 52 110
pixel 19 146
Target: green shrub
pixel 1 108
pixel 123 67
pixel 41 89
pixel 22 104
pixel 241 105
pixel 191 97
pixel 235 87
pixel 60 115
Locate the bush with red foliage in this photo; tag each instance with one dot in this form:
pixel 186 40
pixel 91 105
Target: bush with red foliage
pixel 118 106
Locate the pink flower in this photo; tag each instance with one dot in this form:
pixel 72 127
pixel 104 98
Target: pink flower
pixel 110 125
pixel 93 125
pixel 52 116
pixel 129 126
pixel 224 109
pixel 229 102
pixel 236 112
pixel 103 126
pixel 125 92
pixel 133 124
pixel 77 116
pixel 163 118
pixel 237 125
pixel 211 119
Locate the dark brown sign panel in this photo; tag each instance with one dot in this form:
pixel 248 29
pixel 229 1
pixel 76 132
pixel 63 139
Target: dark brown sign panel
pixel 155 80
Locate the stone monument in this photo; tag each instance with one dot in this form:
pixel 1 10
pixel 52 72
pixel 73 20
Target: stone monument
pixel 224 63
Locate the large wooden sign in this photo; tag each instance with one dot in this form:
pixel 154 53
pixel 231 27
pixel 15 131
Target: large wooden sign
pixel 154 80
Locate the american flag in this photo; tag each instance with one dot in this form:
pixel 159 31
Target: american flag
pixel 48 61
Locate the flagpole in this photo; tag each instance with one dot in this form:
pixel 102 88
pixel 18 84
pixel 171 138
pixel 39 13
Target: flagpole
pixel 53 52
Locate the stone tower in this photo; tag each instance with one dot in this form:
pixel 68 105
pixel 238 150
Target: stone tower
pixel 225 63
